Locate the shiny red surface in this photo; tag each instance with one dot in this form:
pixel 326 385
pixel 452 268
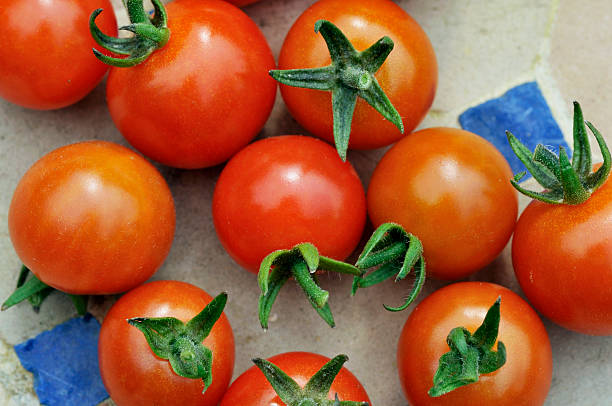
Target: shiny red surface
pixel 523 380
pixel 204 96
pixel 92 218
pixel 562 257
pixel 451 188
pixel 134 375
pixel 282 191
pixel 252 389
pixel 409 76
pixel 45 58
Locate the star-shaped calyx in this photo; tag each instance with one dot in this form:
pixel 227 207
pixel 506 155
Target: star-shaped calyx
pixel 315 392
pixel 350 75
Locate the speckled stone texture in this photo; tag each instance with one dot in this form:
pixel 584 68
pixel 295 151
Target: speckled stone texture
pixel 484 48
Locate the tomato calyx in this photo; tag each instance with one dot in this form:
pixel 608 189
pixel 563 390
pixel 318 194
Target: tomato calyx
pixel 150 34
pixel 181 343
pixel 315 391
pixel 350 75
pixel 301 263
pixel 392 251
pixel 35 291
pixel 565 182
pixel 470 355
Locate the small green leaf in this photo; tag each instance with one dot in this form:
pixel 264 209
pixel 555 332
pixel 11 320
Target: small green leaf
pixel 319 385
pixel 595 180
pixel 470 355
pixel 310 254
pixel 31 287
pixel 573 191
pixel 200 326
pixel 80 303
pixel 329 264
pixel 266 300
pixel 340 48
pixel 263 276
pixel 374 57
pixel 413 254
pixel 285 387
pixel 344 100
pixel 537 170
pixel 307 282
pixel 581 161
pixel 159 333
pixel 377 98
pixel 416 288
pixel 191 359
pixel 317 78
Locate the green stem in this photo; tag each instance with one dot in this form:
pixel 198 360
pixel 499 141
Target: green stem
pixel 304 279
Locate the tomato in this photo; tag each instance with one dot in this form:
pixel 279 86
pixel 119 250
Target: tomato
pixel 253 389
pixel 45 58
pixel 92 218
pixel 523 380
pixel 201 98
pixel 282 191
pixel 408 77
pixel 134 375
pixel 450 188
pixel 562 257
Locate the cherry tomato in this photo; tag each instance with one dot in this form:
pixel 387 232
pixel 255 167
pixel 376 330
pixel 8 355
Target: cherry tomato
pixel 45 58
pixel 201 98
pixel 451 189
pixel 408 76
pixel 523 380
pixel 562 257
pixel 282 191
pixel 134 375
pixel 253 389
pixel 92 218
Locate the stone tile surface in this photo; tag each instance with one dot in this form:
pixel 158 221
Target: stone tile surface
pixel 484 48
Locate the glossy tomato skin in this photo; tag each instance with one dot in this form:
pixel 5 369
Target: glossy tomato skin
pixel 252 389
pixel 408 76
pixel 282 191
pixel 523 380
pixel 562 257
pixel 134 375
pixel 92 218
pixel 205 95
pixel 45 58
pixel 451 189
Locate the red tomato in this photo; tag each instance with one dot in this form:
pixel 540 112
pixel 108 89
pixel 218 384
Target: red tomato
pixel 282 191
pixel 134 375
pixel 408 77
pixel 523 380
pixel 562 257
pixel 205 95
pixel 45 58
pixel 92 218
pixel 451 189
pixel 252 388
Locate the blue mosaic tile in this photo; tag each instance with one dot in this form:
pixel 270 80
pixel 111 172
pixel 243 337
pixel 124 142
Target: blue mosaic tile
pixel 524 112
pixel 64 362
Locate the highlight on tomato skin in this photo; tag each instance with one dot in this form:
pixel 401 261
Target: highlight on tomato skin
pixel 134 375
pixel 282 191
pixel 450 188
pixel 364 22
pixel 35 72
pixel 252 387
pixel 565 229
pixel 200 92
pixel 92 218
pixel 524 378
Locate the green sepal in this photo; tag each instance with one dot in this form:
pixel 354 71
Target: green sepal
pixel 150 34
pixel 181 343
pixel 26 289
pixel 35 291
pixel 564 181
pixel 470 355
pixel 316 390
pixel 301 263
pixel 391 251
pixel 350 75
